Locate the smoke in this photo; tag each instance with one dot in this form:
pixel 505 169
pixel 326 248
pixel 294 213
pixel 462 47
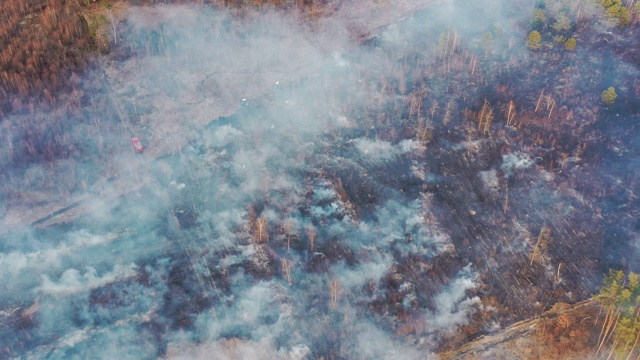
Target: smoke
pixel 236 349
pixel 384 150
pixel 514 162
pixel 72 281
pixel 453 306
pixel 149 282
pixel 373 343
pixel 285 205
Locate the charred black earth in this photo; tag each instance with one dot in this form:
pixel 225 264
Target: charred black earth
pixel 398 198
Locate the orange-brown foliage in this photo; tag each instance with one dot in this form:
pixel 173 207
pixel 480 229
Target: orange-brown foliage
pixel 43 42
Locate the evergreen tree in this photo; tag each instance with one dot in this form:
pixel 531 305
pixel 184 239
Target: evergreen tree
pixel 538 18
pixel 534 40
pixel 570 44
pixel 621 326
pixel 614 9
pixel 562 23
pixel 487 43
pixel 609 96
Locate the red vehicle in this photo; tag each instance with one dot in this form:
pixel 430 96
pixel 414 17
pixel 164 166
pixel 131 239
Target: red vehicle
pixel 136 145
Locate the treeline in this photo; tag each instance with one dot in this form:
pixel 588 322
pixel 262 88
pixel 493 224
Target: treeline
pixel 620 297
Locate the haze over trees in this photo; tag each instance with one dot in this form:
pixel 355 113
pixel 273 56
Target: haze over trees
pixel 47 43
pixel 534 40
pixel 314 187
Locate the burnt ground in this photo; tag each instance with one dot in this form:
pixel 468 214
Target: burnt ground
pixel 104 106
pixel 539 206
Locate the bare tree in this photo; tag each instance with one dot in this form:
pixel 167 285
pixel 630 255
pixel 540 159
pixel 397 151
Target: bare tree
pixel 333 293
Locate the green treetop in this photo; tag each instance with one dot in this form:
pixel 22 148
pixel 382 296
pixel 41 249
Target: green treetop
pixel 615 10
pixel 610 290
pixel 534 40
pixel 609 96
pixel 620 297
pixel 538 18
pixel 570 44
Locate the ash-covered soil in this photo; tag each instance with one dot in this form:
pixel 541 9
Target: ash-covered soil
pixel 302 197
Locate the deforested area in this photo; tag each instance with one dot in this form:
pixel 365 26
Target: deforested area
pixel 319 179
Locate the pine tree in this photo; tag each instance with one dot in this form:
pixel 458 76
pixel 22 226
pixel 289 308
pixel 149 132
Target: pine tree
pixel 570 44
pixel 562 23
pixel 615 10
pixel 624 18
pixel 487 43
pixel 609 96
pixel 534 40
pixel 538 18
pixel 621 326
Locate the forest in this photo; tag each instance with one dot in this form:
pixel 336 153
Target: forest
pixel 321 179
